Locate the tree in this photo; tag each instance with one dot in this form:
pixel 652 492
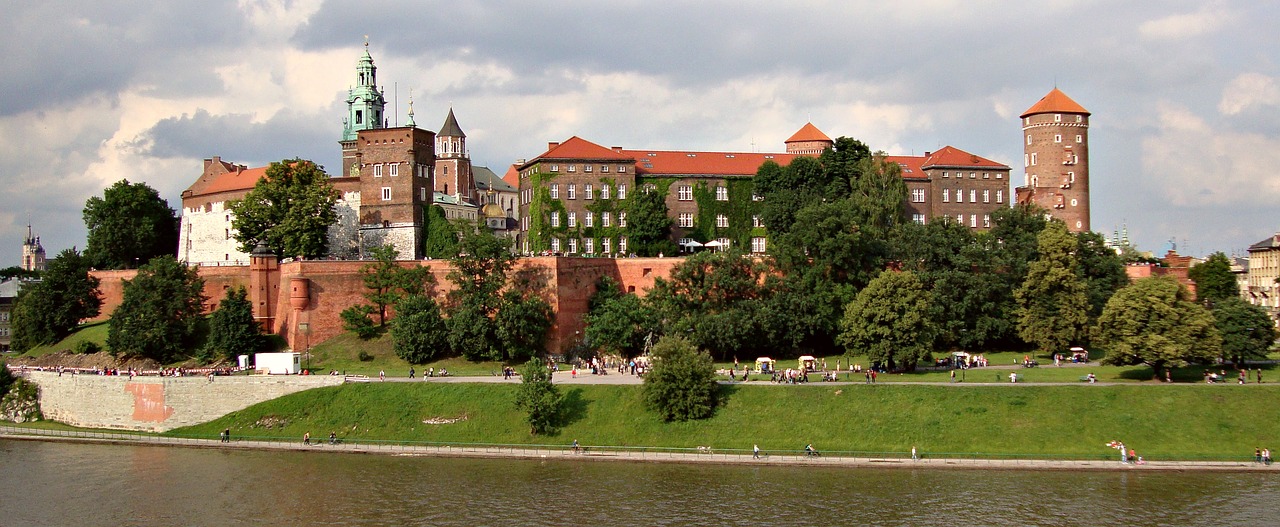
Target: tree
pixel 1247 330
pixel 682 385
pixel 540 399
pixel 17 272
pixel 1214 280
pixel 889 321
pixel 1101 269
pixel 1053 305
pixel 479 274
pixel 232 329
pixel 129 225
pixel 712 298
pixel 879 194
pixel 356 320
pixel 521 325
pixel 1154 322
pixel 49 310
pixel 387 282
pixel 159 313
pixel 649 229
pixel 441 239
pixel 6 380
pixel 289 210
pixel 419 334
pixel 617 322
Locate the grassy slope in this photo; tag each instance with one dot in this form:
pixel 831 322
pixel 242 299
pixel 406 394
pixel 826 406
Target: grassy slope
pixel 1180 421
pixel 95 332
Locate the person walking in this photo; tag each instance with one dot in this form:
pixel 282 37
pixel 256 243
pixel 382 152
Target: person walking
pixel 411 372
pixel 914 457
pixel 953 375
pixel 1259 372
pixel 382 375
pixel 755 451
pixel 306 438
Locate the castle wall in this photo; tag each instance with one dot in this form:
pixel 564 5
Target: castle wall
pixel 157 404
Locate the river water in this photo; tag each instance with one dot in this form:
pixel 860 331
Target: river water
pixel 45 483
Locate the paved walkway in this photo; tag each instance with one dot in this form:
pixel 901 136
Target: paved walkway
pixel 639 455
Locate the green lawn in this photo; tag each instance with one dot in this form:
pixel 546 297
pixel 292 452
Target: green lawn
pixel 342 353
pixel 95 332
pixel 1185 421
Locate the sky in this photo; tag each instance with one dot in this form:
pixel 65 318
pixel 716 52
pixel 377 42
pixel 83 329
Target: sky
pixel 1184 95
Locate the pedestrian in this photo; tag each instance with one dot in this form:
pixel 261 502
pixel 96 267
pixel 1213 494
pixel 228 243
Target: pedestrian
pixel 223 435
pixel 382 375
pixel 953 375
pixel 867 374
pixel 431 372
pixel 333 438
pixel 1124 458
pixel 1259 372
pixel 914 457
pixel 306 438
pixel 873 376
pixel 411 372
pixel 755 451
pixel 1168 375
pixel 1266 456
pixel 1257 455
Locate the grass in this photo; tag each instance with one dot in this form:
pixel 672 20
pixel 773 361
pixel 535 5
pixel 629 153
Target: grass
pixel 95 332
pixel 1162 422
pixel 342 353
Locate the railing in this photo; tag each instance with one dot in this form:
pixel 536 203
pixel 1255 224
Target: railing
pixel 827 457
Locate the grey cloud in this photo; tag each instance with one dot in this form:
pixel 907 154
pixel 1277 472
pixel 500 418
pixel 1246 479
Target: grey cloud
pixel 236 138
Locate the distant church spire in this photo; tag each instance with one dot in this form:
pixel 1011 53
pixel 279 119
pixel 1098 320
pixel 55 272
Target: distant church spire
pixel 32 252
pixel 410 123
pixel 365 103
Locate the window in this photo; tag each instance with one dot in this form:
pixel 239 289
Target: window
pixel 423 193
pixel 555 191
pixel 386 193
pixel 1057 117
pixel 622 220
pixel 1033 159
pixel 917 195
pixel 1079 119
pixel 973 220
pixel 573 191
pixel 686 220
pixel 393 169
pixel 684 193
pixel 973 195
pixel 586 168
pixel 377 170
pixel 946 195
pixel 622 190
pixel 605 218
pixel 1071 178
pixel 999 196
pixel 555 168
pixel 1079 138
pixel 622 169
pixel 722 193
pixel 622 244
pixel 722 221
pixel 555 245
pixel 755 221
pixel 758 244
pixel 555 219
pixel 1026 160
pixel 960 219
pixel 589 245
pixel 999 175
pixel 1028 139
pixel 724 242
pixel 1057 138
pixel 227 234
pixel 573 168
pixel 986 221
pixel 606 246
pixel 918 218
pixel 573 246
pixel 1073 202
pixel 573 219
pixel 986 196
pixel 589 220
pixel 973 175
pixel 604 191
pixel 588 192
pixel 986 175
pixel 604 169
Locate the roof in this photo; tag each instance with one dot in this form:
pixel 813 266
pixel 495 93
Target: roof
pixel 578 148
pixel 950 156
pixel 220 176
pixel 450 127
pixel 808 132
pixel 512 177
pixel 1055 102
pixel 911 166
pixel 1272 242
pixel 486 180
pixel 689 163
pixel 440 198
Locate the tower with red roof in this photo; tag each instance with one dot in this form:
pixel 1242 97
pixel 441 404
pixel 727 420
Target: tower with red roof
pixel 1056 156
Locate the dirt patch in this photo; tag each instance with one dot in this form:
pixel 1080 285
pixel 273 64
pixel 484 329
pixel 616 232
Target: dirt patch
pixel 269 422
pixel 100 360
pixel 444 420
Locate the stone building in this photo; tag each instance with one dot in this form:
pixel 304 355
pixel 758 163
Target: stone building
pixel 574 197
pixel 1263 272
pixel 1056 159
pixel 32 252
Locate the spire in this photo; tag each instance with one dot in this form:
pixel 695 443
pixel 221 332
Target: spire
pixel 365 102
pixel 410 123
pixel 450 127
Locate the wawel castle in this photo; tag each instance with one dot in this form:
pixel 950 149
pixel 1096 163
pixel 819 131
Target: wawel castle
pixel 573 198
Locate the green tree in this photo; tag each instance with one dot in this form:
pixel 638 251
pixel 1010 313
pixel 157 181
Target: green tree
pixel 232 329
pixel 540 400
pixel 479 274
pixel 682 385
pixel 441 239
pixel 6 380
pixel 356 320
pixel 418 333
pixel 649 226
pixel 49 310
pixel 289 210
pixel 1013 243
pixel 1154 322
pixel 521 325
pixel 159 313
pixel 1214 280
pixel 712 298
pixel 617 322
pixel 1101 269
pixel 889 321
pixel 17 272
pixel 879 194
pixel 387 282
pixel 1053 303
pixel 129 225
pixel 1247 330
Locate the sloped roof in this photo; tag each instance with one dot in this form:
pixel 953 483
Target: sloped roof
pixel 808 132
pixel 689 163
pixel 578 148
pixel 450 127
pixel 911 166
pixel 512 177
pixel 1272 242
pixel 220 176
pixel 485 179
pixel 950 156
pixel 1055 102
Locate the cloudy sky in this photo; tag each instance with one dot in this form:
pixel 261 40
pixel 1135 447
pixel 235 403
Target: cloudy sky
pixel 1185 95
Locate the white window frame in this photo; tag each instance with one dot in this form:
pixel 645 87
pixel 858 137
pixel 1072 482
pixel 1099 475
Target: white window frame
pixel 604 169
pixel 759 244
pixel 722 193
pixel 684 193
pixel 573 246
pixel 573 168
pixel 686 220
pixel 589 220
pixel 722 221
pixel 572 219
pixel 973 221
pixel 589 246
pixel 622 219
pixel 973 195
pixel 622 169
pixel 604 191
pixel 555 168
pixel 606 245
pixel 393 169
pixel 755 222
pixel 588 192
pixel 605 219
pixel 377 170
pixel 999 196
pixel 622 191
pixel 555 245
pixel 586 168
pixel 555 218
pixel 622 244
pixel 554 191
pixel 386 193
pixel 572 192
pixel 918 218
pixel 946 195
pixel 986 196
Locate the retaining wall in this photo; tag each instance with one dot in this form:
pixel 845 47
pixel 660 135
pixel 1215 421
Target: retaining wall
pixel 157 404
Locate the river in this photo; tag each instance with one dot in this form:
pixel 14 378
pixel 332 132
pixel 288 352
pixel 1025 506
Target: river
pixel 47 483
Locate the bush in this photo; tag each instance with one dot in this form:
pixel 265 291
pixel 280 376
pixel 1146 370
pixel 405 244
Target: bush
pixel 364 356
pixel 539 398
pixel 418 333
pixel 682 385
pixel 86 347
pixel 356 319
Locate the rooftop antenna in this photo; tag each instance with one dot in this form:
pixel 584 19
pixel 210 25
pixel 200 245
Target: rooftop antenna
pixel 395 94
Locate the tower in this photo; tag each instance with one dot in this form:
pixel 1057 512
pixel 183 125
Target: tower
pixel 32 252
pixel 365 108
pixel 1056 158
pixel 453 164
pixel 809 140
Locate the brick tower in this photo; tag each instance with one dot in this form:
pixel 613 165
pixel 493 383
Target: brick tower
pixel 32 252
pixel 453 164
pixel 1056 157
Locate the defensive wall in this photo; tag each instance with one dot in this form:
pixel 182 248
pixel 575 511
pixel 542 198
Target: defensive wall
pixel 301 300
pixel 157 404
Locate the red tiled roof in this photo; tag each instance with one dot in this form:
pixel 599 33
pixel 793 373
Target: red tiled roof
pixel 1055 102
pixel 235 180
pixel 512 177
pixel 911 166
pixel 578 148
pixel 808 132
pixel 954 157
pixel 659 162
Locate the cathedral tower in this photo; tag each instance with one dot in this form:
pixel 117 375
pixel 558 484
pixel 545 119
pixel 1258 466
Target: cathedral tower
pixel 365 108
pixel 453 164
pixel 1056 157
pixel 32 252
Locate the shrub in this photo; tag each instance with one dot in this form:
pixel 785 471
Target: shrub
pixel 356 319
pixel 682 385
pixel 364 356
pixel 87 347
pixel 539 398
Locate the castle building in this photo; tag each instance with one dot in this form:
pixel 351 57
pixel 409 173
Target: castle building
pixel 574 197
pixel 32 252
pixel 1056 159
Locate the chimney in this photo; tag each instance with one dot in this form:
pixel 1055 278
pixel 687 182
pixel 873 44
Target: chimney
pixel 927 153
pixel 551 145
pixel 519 162
pixel 617 149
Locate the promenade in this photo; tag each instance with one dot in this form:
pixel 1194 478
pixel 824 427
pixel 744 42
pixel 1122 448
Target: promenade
pixel 622 454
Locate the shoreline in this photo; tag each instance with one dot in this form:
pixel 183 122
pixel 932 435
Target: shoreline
pixel 641 456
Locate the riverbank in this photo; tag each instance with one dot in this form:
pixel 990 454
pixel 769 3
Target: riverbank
pixel 590 453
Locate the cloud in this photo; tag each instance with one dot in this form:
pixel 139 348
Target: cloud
pixel 1193 163
pixel 1210 19
pixel 1249 90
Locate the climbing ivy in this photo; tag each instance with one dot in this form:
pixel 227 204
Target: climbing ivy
pixel 540 208
pixel 739 210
